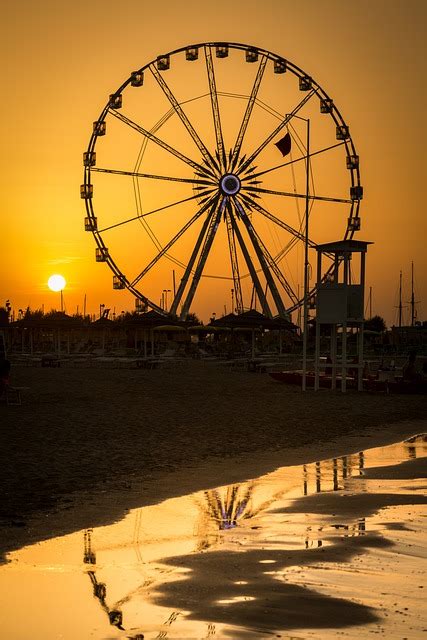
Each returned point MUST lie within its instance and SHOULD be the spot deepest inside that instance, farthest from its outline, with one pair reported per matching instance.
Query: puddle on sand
(318, 550)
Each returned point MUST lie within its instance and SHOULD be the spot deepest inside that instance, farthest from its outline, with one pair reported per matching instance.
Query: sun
(56, 282)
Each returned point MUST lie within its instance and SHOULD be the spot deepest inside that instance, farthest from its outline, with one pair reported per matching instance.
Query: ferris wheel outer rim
(293, 68)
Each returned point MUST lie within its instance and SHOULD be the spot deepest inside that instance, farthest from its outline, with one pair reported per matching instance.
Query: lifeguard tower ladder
(340, 304)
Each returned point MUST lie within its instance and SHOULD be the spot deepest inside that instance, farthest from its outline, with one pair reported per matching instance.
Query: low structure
(340, 304)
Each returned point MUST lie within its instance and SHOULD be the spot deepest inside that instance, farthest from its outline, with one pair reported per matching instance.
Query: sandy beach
(112, 439)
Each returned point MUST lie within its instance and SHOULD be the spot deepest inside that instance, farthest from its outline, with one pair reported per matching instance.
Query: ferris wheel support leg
(210, 235)
(185, 277)
(262, 260)
(234, 264)
(254, 276)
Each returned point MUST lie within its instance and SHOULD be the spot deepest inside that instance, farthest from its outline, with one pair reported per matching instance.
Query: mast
(400, 299)
(369, 304)
(412, 296)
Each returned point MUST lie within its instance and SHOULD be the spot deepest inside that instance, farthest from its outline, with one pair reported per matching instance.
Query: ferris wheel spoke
(234, 262)
(290, 194)
(161, 143)
(297, 234)
(277, 130)
(252, 176)
(153, 176)
(149, 213)
(194, 254)
(171, 242)
(274, 265)
(215, 107)
(252, 270)
(183, 117)
(248, 112)
(265, 259)
(210, 235)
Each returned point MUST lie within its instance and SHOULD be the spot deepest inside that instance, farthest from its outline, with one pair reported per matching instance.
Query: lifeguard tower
(340, 304)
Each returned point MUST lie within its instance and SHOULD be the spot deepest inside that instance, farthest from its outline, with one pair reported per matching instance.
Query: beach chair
(13, 395)
(168, 353)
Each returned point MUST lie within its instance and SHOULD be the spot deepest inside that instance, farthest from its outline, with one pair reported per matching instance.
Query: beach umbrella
(283, 326)
(226, 321)
(254, 318)
(148, 318)
(148, 321)
(104, 325)
(169, 327)
(53, 322)
(249, 320)
(172, 332)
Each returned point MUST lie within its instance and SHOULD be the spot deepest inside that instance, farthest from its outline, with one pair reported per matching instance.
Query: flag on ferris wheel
(284, 145)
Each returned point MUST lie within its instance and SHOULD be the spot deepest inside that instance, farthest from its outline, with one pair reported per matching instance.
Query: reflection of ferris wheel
(218, 189)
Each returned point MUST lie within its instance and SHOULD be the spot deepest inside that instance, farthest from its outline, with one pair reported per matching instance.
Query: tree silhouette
(376, 323)
(4, 317)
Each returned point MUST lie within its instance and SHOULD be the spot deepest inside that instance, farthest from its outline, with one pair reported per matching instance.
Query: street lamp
(306, 263)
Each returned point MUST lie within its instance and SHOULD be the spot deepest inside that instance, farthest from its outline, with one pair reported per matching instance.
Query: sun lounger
(13, 395)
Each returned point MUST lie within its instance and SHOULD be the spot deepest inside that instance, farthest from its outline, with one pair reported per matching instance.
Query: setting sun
(56, 282)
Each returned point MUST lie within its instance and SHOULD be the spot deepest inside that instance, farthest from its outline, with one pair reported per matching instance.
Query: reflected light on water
(337, 531)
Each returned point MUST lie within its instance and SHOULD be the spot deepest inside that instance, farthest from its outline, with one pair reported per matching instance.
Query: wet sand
(113, 439)
(330, 549)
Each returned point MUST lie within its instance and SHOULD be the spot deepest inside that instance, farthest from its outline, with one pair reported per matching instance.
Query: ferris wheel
(202, 172)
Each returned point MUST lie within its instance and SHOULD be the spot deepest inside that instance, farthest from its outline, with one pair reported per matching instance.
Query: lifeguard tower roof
(344, 246)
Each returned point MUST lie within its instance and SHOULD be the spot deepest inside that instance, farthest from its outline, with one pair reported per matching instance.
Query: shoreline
(88, 509)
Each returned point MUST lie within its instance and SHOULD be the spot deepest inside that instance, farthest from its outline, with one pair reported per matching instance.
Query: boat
(295, 377)
(396, 385)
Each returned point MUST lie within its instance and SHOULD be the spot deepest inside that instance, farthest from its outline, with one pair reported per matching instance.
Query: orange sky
(61, 61)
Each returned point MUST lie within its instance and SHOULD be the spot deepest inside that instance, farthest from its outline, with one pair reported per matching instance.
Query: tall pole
(174, 283)
(62, 302)
(400, 300)
(165, 292)
(412, 296)
(306, 265)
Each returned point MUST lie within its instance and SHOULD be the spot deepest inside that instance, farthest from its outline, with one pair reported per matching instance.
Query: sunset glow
(380, 97)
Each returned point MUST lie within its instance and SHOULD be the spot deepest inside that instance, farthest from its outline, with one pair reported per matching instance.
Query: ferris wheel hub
(230, 184)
